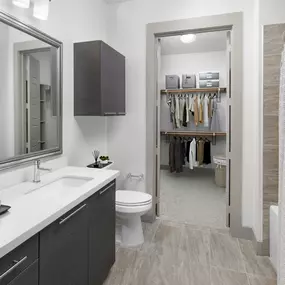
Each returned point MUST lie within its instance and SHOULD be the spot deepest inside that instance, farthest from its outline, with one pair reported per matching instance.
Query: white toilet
(130, 206)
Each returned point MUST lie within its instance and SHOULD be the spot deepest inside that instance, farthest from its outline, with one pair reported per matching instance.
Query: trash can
(220, 171)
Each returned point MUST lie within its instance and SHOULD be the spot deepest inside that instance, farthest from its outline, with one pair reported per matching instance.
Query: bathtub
(273, 239)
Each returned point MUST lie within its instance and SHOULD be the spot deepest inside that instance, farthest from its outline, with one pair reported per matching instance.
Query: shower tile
(227, 277)
(270, 128)
(256, 265)
(271, 65)
(271, 100)
(225, 252)
(273, 42)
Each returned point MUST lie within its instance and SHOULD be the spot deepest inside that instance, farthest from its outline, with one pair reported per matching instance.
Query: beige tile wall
(273, 46)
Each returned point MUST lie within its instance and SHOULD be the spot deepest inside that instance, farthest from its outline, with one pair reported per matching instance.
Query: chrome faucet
(37, 171)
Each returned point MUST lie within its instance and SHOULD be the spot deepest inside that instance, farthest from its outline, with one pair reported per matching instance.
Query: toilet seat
(132, 198)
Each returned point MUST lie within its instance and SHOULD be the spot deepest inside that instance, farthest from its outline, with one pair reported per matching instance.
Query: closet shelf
(194, 90)
(194, 133)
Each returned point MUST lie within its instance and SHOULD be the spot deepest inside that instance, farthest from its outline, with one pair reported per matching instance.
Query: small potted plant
(104, 159)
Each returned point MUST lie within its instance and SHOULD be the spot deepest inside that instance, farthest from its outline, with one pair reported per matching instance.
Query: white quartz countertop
(32, 211)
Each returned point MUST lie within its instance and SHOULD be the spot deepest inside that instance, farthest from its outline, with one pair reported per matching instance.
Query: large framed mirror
(30, 93)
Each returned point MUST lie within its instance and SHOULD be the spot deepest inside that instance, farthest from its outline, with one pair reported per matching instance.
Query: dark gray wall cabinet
(99, 80)
(76, 249)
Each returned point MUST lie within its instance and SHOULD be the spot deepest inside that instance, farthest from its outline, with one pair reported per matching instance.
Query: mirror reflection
(28, 94)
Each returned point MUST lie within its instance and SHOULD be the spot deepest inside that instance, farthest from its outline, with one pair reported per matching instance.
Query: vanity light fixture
(41, 9)
(22, 3)
(187, 39)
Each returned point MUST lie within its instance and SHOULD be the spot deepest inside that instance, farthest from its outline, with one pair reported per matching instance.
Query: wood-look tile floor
(182, 254)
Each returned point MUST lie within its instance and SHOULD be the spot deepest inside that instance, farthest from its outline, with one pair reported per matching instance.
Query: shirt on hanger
(207, 153)
(200, 155)
(177, 112)
(196, 111)
(187, 109)
(206, 111)
(200, 102)
(192, 154)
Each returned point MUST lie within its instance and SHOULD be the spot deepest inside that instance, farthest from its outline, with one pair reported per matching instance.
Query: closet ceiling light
(22, 3)
(187, 39)
(41, 9)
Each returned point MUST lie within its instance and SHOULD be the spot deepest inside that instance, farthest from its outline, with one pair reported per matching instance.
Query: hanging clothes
(210, 111)
(207, 153)
(177, 112)
(184, 121)
(200, 102)
(183, 152)
(172, 155)
(215, 123)
(187, 110)
(172, 112)
(178, 156)
(188, 150)
(206, 111)
(200, 155)
(192, 154)
(196, 111)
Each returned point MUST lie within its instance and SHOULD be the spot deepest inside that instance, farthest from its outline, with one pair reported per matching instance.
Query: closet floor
(182, 254)
(192, 197)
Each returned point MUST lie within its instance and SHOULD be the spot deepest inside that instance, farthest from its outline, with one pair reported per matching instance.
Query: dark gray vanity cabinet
(28, 277)
(99, 80)
(102, 234)
(16, 265)
(64, 249)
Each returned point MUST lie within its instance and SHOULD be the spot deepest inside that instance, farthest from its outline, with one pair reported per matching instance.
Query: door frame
(233, 22)
(21, 49)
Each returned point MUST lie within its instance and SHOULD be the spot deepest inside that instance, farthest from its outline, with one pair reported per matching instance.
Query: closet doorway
(156, 137)
(193, 80)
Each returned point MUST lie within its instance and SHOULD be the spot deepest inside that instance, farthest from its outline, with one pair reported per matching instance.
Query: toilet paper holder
(139, 177)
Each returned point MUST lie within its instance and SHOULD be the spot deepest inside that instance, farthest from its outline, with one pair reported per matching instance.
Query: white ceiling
(115, 1)
(206, 42)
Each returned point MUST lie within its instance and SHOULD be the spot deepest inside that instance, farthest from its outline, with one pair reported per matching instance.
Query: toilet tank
(274, 229)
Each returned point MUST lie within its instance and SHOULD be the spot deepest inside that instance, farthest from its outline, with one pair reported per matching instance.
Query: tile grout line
(242, 256)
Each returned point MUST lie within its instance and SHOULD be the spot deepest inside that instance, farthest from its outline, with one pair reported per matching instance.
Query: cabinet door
(27, 277)
(113, 86)
(64, 250)
(102, 234)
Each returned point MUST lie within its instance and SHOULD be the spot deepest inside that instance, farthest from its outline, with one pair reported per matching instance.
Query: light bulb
(186, 39)
(22, 3)
(41, 9)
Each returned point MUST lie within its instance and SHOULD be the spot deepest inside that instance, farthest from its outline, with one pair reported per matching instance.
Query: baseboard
(261, 247)
(242, 233)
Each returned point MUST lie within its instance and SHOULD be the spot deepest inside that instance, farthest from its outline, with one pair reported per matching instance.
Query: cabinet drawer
(28, 277)
(15, 262)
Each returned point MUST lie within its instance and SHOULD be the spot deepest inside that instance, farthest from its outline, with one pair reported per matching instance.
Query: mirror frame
(30, 30)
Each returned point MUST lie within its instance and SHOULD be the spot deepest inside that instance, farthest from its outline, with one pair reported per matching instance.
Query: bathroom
(122, 25)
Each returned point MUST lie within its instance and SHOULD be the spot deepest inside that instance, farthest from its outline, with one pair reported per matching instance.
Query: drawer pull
(103, 191)
(72, 214)
(17, 263)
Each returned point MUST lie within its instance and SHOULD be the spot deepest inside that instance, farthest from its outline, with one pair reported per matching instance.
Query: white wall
(193, 63)
(69, 22)
(127, 33)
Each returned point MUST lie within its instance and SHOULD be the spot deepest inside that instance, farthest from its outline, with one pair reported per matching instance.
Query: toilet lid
(132, 198)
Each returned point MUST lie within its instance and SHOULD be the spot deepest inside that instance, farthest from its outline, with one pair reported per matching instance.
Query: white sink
(63, 183)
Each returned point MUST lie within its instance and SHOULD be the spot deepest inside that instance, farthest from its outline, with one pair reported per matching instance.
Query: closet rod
(194, 90)
(193, 133)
